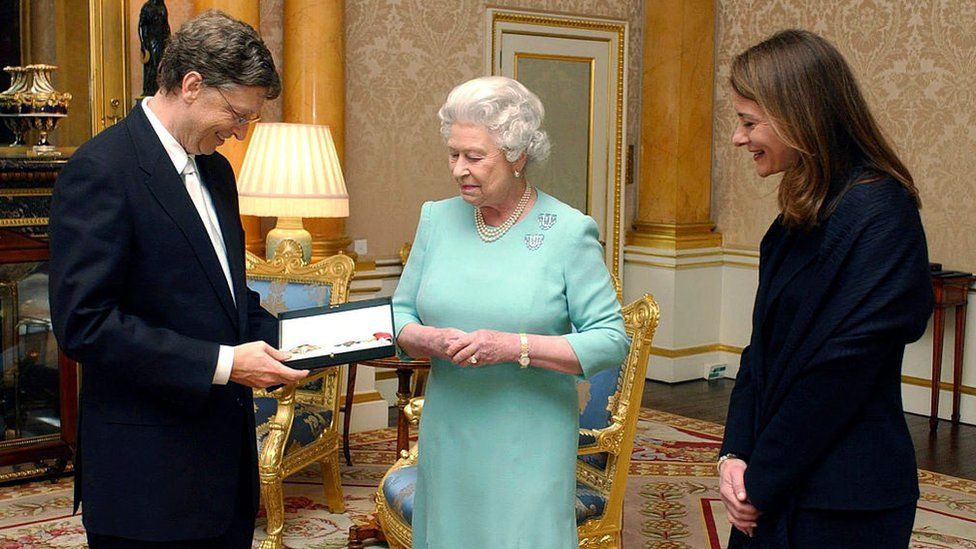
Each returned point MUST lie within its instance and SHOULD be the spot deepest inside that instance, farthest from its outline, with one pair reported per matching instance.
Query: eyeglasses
(239, 119)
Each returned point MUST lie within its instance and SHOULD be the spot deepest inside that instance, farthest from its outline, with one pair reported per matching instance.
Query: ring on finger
(473, 359)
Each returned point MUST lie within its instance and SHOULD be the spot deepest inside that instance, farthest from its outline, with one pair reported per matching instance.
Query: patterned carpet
(672, 497)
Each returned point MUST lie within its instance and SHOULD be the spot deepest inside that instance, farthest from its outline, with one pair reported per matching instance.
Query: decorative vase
(20, 82)
(12, 104)
(42, 96)
(46, 106)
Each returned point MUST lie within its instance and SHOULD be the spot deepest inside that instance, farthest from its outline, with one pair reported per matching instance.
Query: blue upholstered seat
(309, 422)
(596, 413)
(589, 503)
(400, 485)
(398, 489)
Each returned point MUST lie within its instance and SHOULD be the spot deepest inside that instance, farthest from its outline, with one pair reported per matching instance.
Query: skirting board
(687, 368)
(917, 400)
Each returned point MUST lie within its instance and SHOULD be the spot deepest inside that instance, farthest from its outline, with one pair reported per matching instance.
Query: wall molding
(943, 386)
(698, 350)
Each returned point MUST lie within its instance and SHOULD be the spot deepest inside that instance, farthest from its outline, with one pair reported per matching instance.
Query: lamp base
(329, 238)
(289, 228)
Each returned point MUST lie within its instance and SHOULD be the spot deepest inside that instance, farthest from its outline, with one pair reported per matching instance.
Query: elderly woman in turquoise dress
(507, 292)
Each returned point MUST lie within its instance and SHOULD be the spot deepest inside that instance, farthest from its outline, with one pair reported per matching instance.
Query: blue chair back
(278, 296)
(597, 392)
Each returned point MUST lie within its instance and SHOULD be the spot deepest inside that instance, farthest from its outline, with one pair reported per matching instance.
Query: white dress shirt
(186, 166)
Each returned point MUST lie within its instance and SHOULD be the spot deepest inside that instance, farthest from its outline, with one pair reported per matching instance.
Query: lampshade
(292, 170)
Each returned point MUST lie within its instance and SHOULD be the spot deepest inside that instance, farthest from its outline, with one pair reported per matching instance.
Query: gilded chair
(609, 403)
(298, 425)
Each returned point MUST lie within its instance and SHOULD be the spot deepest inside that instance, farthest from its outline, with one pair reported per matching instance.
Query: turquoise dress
(497, 461)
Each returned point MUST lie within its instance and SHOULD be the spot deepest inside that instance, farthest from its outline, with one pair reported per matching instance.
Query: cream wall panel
(640, 279)
(676, 370)
(739, 285)
(916, 62)
(688, 289)
(379, 282)
(699, 295)
(369, 416)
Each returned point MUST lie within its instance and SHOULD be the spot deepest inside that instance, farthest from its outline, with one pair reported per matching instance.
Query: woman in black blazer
(816, 450)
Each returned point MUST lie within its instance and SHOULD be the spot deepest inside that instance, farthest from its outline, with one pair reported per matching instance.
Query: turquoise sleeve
(600, 340)
(405, 296)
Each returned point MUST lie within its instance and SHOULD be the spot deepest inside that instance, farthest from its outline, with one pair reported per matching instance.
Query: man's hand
(486, 347)
(742, 514)
(257, 365)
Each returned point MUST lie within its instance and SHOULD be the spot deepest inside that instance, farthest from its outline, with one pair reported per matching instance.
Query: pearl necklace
(491, 234)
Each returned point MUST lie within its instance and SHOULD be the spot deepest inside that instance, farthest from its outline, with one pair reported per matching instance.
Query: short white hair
(507, 109)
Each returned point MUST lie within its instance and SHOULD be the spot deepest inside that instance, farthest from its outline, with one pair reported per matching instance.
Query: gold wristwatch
(524, 351)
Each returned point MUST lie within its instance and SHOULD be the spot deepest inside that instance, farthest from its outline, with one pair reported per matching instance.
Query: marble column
(315, 91)
(673, 250)
(676, 127)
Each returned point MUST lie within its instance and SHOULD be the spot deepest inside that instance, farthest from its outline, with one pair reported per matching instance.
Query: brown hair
(225, 51)
(813, 103)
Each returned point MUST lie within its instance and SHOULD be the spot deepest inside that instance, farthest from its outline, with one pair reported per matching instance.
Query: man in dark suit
(148, 294)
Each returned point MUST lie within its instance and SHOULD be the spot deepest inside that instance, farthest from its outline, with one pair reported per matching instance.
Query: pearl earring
(518, 174)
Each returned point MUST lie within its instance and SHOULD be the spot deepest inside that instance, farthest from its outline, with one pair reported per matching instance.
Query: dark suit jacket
(820, 422)
(138, 297)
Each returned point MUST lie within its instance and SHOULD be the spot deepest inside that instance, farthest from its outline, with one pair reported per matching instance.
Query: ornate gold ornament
(32, 102)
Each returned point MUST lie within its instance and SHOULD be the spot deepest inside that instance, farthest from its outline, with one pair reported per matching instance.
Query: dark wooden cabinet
(38, 383)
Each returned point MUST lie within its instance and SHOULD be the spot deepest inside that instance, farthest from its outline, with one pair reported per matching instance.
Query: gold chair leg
(332, 483)
(275, 506)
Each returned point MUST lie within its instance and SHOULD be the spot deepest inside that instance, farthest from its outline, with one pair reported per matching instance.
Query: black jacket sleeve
(740, 422)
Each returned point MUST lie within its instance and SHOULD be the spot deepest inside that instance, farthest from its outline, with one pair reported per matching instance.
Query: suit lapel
(223, 195)
(790, 255)
(801, 339)
(167, 187)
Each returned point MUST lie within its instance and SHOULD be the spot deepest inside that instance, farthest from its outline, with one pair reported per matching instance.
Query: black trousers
(885, 529)
(821, 528)
(239, 535)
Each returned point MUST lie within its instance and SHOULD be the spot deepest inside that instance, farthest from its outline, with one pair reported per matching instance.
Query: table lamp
(292, 171)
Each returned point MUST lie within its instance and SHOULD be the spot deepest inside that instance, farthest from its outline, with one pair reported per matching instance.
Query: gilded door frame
(109, 46)
(582, 28)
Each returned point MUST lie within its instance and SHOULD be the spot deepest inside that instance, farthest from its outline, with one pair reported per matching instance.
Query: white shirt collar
(172, 147)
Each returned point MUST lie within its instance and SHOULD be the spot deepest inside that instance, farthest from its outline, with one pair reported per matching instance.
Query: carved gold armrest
(413, 410)
(279, 427)
(607, 439)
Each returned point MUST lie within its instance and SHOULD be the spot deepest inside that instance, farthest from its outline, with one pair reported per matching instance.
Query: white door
(576, 67)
